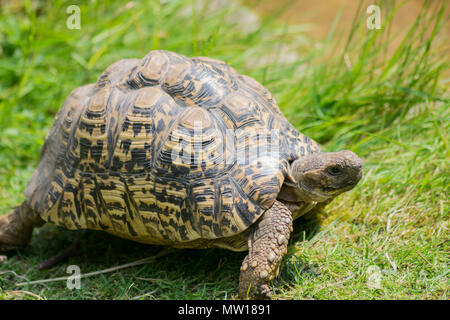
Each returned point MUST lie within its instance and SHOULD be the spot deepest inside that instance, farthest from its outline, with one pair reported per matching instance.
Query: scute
(165, 150)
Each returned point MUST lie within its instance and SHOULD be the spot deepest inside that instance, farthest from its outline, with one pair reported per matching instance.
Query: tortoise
(182, 152)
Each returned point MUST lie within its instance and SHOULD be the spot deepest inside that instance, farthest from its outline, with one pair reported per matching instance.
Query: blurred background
(382, 93)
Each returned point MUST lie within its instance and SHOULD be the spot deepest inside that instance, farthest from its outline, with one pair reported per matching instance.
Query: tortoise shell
(165, 149)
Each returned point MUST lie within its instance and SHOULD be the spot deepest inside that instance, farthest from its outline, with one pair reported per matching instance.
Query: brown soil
(320, 14)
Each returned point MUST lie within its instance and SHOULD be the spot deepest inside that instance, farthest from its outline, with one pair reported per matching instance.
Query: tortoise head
(322, 176)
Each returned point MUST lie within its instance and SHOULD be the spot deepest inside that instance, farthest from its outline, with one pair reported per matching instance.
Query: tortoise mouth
(335, 190)
(312, 194)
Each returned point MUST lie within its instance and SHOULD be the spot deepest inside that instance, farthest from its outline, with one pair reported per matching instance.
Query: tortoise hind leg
(267, 244)
(17, 226)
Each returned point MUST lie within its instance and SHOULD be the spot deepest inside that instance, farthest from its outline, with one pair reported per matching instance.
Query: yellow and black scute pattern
(165, 150)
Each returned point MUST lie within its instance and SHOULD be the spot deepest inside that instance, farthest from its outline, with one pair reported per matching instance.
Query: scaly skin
(267, 245)
(17, 226)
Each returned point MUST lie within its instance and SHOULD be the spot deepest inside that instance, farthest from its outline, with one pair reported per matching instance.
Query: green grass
(392, 109)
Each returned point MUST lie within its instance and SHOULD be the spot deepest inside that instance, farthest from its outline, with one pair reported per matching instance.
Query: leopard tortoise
(188, 153)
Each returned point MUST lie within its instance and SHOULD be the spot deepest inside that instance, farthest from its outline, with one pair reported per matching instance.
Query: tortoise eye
(334, 170)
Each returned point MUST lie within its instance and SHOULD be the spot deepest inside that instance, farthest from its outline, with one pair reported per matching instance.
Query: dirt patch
(319, 15)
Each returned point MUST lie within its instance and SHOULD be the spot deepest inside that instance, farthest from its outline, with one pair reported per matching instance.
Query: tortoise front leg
(267, 244)
(17, 226)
